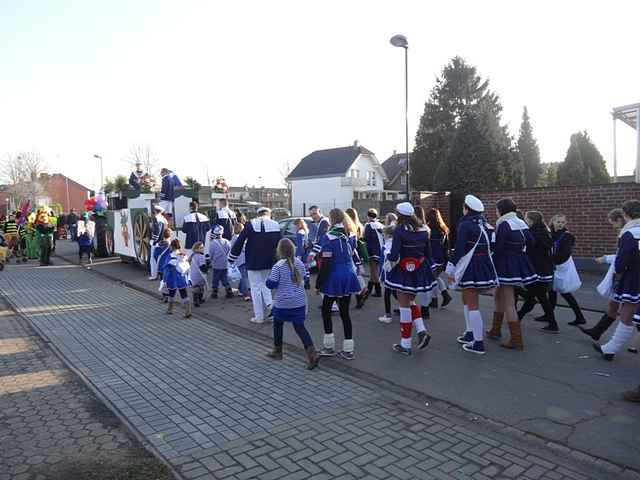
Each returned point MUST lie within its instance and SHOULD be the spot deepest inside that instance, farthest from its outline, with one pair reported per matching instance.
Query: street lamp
(401, 42)
(101, 178)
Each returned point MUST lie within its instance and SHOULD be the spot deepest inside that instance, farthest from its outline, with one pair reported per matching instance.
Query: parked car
(289, 230)
(280, 213)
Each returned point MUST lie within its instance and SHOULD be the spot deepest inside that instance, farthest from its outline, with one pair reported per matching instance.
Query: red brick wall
(586, 209)
(56, 188)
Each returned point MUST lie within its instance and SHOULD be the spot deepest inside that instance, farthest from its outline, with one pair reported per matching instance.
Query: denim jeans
(220, 276)
(244, 281)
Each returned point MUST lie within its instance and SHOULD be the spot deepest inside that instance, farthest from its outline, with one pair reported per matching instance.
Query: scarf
(629, 226)
(505, 217)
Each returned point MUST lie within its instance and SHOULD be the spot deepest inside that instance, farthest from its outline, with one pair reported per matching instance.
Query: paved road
(51, 425)
(209, 402)
(557, 389)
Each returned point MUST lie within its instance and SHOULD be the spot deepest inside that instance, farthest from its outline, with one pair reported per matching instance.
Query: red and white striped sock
(405, 327)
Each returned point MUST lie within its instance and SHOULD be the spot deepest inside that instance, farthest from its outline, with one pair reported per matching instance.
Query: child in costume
(287, 277)
(199, 266)
(408, 272)
(626, 290)
(374, 237)
(384, 253)
(243, 287)
(175, 277)
(338, 280)
(162, 254)
(86, 232)
(45, 232)
(219, 252)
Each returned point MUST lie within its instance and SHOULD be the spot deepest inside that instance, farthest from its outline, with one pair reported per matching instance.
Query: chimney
(355, 144)
(394, 152)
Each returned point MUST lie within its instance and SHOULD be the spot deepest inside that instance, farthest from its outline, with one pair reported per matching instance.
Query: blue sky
(239, 88)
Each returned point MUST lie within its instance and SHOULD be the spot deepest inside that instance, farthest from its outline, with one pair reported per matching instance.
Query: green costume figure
(45, 231)
(32, 242)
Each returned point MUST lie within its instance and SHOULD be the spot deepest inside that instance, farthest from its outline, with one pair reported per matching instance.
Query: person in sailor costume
(471, 270)
(261, 236)
(136, 177)
(169, 183)
(439, 238)
(158, 226)
(408, 272)
(225, 217)
(512, 236)
(338, 279)
(626, 290)
(199, 266)
(195, 226)
(617, 221)
(540, 255)
(374, 238)
(175, 277)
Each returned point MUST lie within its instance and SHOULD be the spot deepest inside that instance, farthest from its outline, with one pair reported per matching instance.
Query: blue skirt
(420, 280)
(342, 281)
(480, 274)
(515, 269)
(627, 290)
(293, 315)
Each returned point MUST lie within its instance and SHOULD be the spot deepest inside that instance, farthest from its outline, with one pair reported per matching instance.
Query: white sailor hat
(218, 229)
(262, 210)
(474, 203)
(405, 208)
(158, 208)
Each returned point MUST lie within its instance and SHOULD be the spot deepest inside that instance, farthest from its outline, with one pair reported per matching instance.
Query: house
(271, 197)
(60, 189)
(395, 187)
(335, 178)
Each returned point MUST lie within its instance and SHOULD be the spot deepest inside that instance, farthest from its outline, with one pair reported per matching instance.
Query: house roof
(394, 165)
(328, 163)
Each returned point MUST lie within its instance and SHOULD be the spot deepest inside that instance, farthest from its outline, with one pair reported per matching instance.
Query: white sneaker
(255, 320)
(385, 319)
(334, 307)
(153, 278)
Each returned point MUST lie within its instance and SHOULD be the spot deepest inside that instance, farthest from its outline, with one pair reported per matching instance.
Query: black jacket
(563, 243)
(540, 252)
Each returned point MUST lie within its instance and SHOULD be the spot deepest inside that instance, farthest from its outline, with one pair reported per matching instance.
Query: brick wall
(56, 188)
(586, 209)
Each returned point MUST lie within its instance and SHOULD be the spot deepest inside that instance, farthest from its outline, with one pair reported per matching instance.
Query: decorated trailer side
(126, 230)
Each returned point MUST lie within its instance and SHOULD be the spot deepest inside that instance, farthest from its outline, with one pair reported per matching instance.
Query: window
(373, 179)
(403, 179)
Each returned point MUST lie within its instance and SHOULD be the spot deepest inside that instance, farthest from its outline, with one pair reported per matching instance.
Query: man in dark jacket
(72, 224)
(261, 236)
(135, 177)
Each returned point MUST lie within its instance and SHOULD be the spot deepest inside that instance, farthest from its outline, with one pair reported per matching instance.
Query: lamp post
(101, 178)
(401, 41)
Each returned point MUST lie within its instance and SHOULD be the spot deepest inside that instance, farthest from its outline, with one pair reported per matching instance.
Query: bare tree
(24, 173)
(284, 171)
(143, 154)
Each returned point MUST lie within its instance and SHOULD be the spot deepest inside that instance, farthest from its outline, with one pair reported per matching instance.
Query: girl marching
(408, 272)
(338, 280)
(287, 277)
(514, 269)
(439, 252)
(540, 255)
(626, 291)
(175, 278)
(471, 270)
(374, 238)
(363, 255)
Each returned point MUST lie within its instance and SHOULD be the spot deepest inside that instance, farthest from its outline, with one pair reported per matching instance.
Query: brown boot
(187, 310)
(276, 353)
(170, 308)
(515, 342)
(312, 357)
(632, 395)
(495, 332)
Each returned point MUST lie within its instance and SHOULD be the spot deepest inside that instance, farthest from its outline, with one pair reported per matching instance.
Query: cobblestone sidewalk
(213, 406)
(51, 425)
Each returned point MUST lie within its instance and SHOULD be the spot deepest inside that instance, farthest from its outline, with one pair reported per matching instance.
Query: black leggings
(536, 292)
(343, 306)
(570, 299)
(387, 299)
(278, 328)
(183, 293)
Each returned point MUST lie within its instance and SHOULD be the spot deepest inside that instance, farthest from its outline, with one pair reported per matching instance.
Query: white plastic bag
(566, 278)
(234, 276)
(605, 287)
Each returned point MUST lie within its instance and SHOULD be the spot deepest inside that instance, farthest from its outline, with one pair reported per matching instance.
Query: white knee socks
(620, 338)
(329, 341)
(467, 323)
(405, 327)
(477, 327)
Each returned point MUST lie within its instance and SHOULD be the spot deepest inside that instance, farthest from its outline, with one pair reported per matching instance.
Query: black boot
(552, 327)
(378, 289)
(599, 328)
(370, 287)
(434, 303)
(196, 299)
(446, 298)
(229, 293)
(359, 301)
